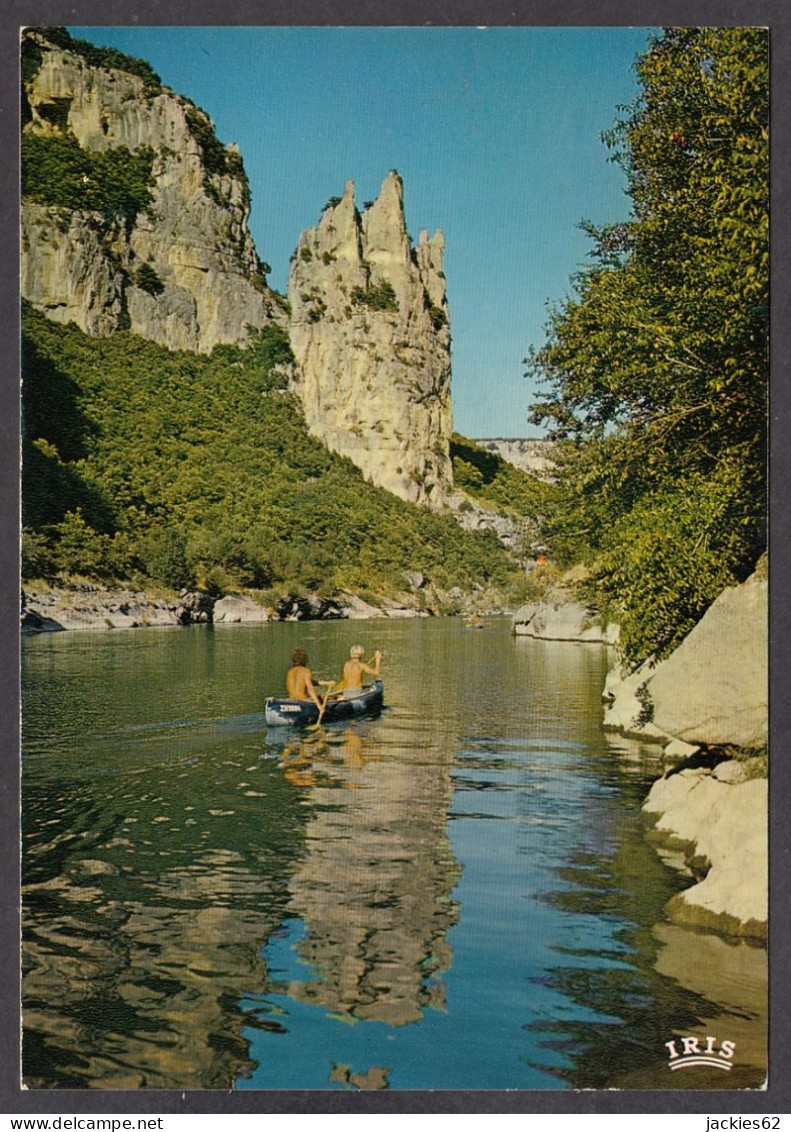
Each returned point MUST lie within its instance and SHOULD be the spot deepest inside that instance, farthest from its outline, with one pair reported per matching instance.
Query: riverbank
(707, 705)
(47, 608)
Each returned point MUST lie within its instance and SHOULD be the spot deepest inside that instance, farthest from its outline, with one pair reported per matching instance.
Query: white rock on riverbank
(721, 822)
(234, 609)
(93, 608)
(714, 688)
(561, 621)
(88, 608)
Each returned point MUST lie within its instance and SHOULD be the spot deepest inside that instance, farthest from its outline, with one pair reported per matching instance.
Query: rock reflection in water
(660, 981)
(142, 933)
(373, 886)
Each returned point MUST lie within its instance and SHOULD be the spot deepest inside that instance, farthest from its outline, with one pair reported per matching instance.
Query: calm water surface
(458, 894)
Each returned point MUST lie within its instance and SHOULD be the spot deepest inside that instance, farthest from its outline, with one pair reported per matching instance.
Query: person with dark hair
(299, 679)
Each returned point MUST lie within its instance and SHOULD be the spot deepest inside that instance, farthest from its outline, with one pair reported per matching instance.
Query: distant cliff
(134, 214)
(370, 331)
(533, 456)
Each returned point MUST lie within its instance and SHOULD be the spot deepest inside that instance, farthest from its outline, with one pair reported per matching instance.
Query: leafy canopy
(56, 170)
(177, 467)
(655, 371)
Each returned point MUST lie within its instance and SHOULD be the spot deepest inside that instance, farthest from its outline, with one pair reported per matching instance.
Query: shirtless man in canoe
(299, 679)
(354, 670)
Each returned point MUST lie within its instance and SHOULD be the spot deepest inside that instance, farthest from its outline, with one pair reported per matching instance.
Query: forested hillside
(655, 372)
(182, 468)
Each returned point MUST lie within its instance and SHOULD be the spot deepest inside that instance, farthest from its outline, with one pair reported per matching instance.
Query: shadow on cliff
(56, 434)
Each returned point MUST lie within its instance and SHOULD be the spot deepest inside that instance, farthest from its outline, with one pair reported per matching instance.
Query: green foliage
(108, 58)
(436, 314)
(146, 278)
(378, 296)
(31, 55)
(656, 369)
(57, 171)
(642, 580)
(201, 468)
(217, 160)
(163, 554)
(487, 477)
(79, 548)
(37, 557)
(215, 155)
(268, 348)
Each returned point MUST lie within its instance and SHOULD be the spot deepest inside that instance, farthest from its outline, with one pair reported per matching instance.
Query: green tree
(655, 371)
(188, 468)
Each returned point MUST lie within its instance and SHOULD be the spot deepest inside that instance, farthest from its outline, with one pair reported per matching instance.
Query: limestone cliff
(182, 270)
(369, 329)
(534, 456)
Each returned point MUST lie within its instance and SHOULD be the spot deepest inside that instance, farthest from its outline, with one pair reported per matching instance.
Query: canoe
(301, 713)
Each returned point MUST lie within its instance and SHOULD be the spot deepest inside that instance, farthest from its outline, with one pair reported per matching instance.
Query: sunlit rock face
(370, 331)
(714, 687)
(373, 886)
(723, 823)
(204, 283)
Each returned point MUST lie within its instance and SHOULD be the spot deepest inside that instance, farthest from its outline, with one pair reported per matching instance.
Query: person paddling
(354, 669)
(299, 679)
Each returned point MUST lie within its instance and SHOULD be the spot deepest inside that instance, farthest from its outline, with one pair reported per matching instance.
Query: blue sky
(496, 133)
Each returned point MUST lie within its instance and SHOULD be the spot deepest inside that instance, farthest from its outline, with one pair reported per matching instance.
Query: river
(459, 894)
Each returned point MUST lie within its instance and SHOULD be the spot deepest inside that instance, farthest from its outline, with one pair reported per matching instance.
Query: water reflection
(211, 905)
(373, 884)
(659, 981)
(145, 903)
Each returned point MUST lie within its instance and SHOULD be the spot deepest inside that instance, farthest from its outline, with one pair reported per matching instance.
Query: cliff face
(531, 456)
(369, 329)
(182, 271)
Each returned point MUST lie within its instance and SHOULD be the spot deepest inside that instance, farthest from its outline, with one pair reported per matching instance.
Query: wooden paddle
(315, 726)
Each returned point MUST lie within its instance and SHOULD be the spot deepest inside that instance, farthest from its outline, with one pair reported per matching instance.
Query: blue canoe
(304, 712)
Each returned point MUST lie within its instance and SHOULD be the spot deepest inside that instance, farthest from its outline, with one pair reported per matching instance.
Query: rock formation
(561, 621)
(720, 818)
(533, 456)
(714, 688)
(370, 332)
(183, 271)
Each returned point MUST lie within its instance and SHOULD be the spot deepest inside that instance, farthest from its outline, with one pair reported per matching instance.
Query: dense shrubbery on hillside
(57, 171)
(485, 476)
(180, 468)
(656, 370)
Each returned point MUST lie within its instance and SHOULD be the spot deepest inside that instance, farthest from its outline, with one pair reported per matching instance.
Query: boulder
(714, 688)
(629, 709)
(561, 621)
(355, 609)
(195, 608)
(233, 609)
(676, 750)
(310, 608)
(723, 826)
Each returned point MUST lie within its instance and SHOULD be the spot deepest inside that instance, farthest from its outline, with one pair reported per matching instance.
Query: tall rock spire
(370, 332)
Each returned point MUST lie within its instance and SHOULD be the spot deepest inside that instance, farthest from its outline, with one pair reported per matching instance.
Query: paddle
(315, 726)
